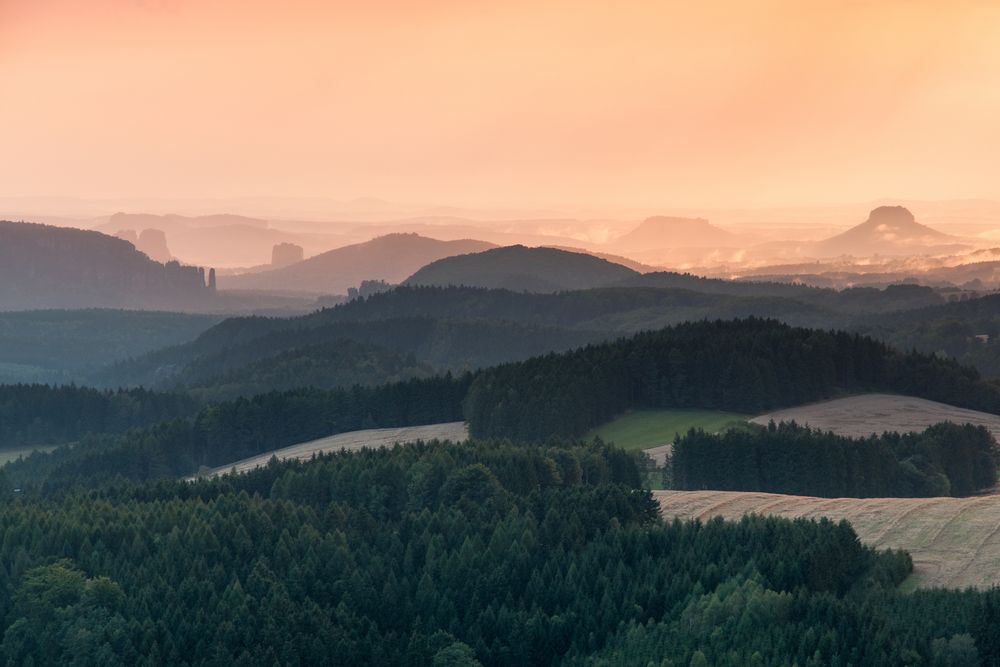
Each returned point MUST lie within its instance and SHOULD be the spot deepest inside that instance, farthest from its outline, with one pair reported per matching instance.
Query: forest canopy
(745, 366)
(944, 460)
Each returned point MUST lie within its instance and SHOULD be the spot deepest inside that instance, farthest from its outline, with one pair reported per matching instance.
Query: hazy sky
(501, 103)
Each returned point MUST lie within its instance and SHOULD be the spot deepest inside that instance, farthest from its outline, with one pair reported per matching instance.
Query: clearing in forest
(860, 416)
(655, 429)
(352, 441)
(954, 542)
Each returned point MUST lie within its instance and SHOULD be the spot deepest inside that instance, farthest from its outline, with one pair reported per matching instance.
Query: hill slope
(391, 258)
(954, 542)
(737, 366)
(56, 267)
(519, 268)
(672, 232)
(889, 230)
(218, 240)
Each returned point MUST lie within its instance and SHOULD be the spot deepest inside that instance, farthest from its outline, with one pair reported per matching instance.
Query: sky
(516, 103)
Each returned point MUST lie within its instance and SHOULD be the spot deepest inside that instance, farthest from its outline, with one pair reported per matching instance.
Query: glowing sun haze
(513, 103)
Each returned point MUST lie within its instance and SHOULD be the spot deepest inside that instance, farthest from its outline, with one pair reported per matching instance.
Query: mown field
(954, 542)
(352, 441)
(859, 416)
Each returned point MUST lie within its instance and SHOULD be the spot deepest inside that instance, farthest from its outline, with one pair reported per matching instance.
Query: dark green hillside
(967, 330)
(340, 363)
(741, 366)
(458, 328)
(59, 346)
(232, 430)
(450, 328)
(441, 344)
(852, 300)
(484, 553)
(521, 269)
(944, 460)
(33, 415)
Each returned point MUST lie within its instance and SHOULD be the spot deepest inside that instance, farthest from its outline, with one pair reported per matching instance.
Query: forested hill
(452, 555)
(55, 267)
(461, 328)
(741, 366)
(32, 415)
(520, 268)
(391, 257)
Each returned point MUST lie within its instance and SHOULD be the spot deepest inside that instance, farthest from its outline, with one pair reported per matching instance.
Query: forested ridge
(63, 346)
(39, 414)
(442, 344)
(741, 366)
(944, 460)
(228, 431)
(487, 553)
(464, 328)
(328, 365)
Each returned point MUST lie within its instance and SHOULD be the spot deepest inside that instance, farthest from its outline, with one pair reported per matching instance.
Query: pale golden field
(875, 413)
(352, 441)
(954, 542)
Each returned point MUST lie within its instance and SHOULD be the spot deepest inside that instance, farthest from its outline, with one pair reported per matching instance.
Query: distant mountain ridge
(391, 258)
(889, 230)
(521, 269)
(59, 267)
(672, 232)
(218, 240)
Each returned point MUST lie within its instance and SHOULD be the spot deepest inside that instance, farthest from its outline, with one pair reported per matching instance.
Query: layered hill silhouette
(390, 258)
(523, 269)
(57, 267)
(217, 240)
(889, 230)
(672, 232)
(676, 241)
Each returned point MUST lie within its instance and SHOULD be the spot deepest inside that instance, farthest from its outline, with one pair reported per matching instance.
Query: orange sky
(501, 103)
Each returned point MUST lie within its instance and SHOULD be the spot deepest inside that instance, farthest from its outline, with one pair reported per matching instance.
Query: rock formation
(153, 242)
(286, 254)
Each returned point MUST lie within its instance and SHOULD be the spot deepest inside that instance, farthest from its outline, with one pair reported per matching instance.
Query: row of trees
(40, 414)
(229, 431)
(741, 365)
(484, 553)
(946, 459)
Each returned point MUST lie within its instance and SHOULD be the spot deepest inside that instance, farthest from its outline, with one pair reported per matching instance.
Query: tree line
(34, 414)
(226, 432)
(944, 460)
(747, 366)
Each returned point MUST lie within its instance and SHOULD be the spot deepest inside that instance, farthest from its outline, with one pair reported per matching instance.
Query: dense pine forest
(740, 366)
(945, 460)
(225, 432)
(33, 415)
(486, 553)
(462, 328)
(520, 549)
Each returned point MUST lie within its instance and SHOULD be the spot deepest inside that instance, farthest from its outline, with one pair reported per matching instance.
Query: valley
(499, 334)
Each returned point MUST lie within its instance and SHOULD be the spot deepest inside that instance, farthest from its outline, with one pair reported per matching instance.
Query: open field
(954, 542)
(876, 413)
(352, 441)
(654, 430)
